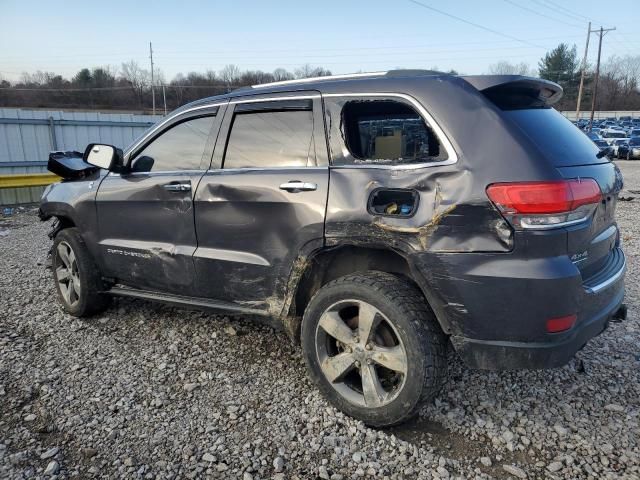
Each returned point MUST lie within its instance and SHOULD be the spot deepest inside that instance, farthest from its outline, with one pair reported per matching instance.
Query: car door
(262, 204)
(145, 216)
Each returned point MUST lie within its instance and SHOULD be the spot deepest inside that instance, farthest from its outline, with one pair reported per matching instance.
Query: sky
(343, 36)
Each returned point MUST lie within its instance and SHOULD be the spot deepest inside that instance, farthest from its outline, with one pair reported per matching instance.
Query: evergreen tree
(561, 65)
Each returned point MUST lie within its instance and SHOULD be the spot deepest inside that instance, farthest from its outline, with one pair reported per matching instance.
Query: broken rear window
(387, 132)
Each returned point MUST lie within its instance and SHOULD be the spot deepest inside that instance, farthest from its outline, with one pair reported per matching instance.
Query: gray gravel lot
(149, 391)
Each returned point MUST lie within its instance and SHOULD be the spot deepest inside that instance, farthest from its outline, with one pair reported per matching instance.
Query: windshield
(634, 141)
(601, 143)
(614, 134)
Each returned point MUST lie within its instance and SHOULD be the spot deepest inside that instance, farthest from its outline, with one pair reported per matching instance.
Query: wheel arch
(327, 264)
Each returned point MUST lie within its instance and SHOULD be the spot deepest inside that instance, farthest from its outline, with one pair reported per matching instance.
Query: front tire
(373, 347)
(77, 278)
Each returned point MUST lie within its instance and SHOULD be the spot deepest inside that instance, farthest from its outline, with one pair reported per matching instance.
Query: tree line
(129, 87)
(618, 85)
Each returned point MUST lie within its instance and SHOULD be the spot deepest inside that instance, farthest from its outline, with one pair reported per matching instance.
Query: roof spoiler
(511, 92)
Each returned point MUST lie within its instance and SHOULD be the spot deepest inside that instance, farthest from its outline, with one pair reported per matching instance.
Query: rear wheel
(373, 347)
(76, 276)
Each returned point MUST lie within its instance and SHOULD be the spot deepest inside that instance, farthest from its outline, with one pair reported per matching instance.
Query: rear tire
(77, 278)
(386, 354)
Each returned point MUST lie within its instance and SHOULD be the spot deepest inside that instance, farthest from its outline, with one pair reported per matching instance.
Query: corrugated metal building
(27, 137)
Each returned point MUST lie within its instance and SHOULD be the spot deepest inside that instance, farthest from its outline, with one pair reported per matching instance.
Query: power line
(535, 12)
(474, 24)
(563, 11)
(235, 53)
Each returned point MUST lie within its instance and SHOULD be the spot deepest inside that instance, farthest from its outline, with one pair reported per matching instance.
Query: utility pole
(600, 32)
(584, 67)
(153, 91)
(164, 97)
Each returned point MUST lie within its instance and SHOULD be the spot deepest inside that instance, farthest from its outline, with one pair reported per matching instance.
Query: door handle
(295, 186)
(177, 187)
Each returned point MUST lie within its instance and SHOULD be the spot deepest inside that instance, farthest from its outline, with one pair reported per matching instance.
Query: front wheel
(373, 347)
(76, 276)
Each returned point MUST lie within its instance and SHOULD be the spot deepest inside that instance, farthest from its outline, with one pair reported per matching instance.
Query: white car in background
(615, 145)
(611, 134)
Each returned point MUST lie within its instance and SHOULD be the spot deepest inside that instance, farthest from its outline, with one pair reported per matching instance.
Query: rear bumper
(505, 330)
(488, 355)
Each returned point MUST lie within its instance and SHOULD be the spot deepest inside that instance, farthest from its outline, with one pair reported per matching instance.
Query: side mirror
(102, 156)
(142, 164)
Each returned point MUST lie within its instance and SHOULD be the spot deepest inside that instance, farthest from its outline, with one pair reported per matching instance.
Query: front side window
(388, 132)
(179, 148)
(267, 139)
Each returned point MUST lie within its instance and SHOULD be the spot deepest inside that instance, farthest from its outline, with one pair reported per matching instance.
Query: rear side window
(556, 137)
(270, 139)
(388, 132)
(179, 148)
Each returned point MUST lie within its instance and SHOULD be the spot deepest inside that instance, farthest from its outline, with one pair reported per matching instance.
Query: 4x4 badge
(579, 257)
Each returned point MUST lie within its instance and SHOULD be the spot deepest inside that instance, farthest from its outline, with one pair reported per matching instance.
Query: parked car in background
(593, 135)
(616, 145)
(609, 135)
(633, 149)
(602, 145)
(635, 132)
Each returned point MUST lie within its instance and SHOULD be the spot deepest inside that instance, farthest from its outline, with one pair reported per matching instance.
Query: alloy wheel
(360, 353)
(67, 274)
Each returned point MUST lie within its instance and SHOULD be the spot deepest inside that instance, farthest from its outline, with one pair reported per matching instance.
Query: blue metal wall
(27, 137)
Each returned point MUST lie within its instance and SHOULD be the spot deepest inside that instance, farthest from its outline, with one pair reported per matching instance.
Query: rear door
(262, 203)
(145, 216)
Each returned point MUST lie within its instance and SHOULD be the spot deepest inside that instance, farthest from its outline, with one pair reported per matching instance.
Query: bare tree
(620, 79)
(138, 78)
(506, 68)
(280, 74)
(307, 71)
(229, 75)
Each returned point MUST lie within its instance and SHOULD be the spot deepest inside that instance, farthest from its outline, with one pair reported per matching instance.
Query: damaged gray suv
(378, 217)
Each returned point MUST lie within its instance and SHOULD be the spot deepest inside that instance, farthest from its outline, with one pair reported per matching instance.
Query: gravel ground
(150, 391)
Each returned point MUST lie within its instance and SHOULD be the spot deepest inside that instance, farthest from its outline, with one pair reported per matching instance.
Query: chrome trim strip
(274, 99)
(557, 225)
(315, 79)
(612, 279)
(453, 156)
(154, 173)
(235, 256)
(605, 234)
(302, 168)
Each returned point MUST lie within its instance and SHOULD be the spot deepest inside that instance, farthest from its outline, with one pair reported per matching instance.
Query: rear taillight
(561, 324)
(543, 205)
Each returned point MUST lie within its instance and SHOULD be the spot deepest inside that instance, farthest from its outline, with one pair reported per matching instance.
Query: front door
(146, 222)
(262, 204)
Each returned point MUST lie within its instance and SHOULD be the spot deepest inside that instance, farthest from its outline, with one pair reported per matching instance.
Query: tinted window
(634, 141)
(179, 148)
(271, 139)
(555, 136)
(384, 131)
